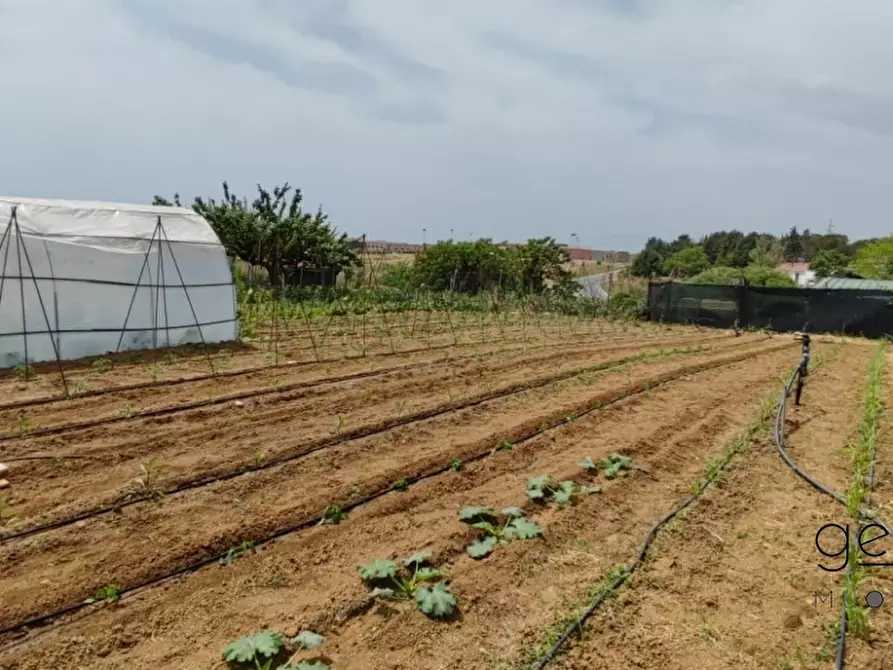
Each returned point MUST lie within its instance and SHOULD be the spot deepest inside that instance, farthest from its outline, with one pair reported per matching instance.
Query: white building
(88, 278)
(799, 272)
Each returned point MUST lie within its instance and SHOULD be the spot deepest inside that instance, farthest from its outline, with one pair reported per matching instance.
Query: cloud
(613, 119)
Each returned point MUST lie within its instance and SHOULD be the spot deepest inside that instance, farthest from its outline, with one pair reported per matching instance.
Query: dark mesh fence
(854, 312)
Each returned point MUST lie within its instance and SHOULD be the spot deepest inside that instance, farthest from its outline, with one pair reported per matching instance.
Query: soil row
(262, 431)
(738, 584)
(308, 580)
(151, 367)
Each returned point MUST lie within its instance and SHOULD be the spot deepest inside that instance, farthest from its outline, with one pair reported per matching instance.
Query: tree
(829, 264)
(874, 260)
(767, 252)
(792, 245)
(274, 232)
(649, 263)
(686, 263)
(753, 276)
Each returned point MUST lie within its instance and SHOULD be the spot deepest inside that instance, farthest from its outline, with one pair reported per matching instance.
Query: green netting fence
(847, 311)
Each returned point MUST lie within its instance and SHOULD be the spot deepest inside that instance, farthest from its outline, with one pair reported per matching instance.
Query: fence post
(669, 287)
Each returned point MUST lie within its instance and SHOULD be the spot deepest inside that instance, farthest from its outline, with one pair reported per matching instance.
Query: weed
(512, 526)
(258, 456)
(77, 386)
(332, 515)
(241, 549)
(7, 514)
(389, 582)
(401, 485)
(456, 464)
(23, 371)
(127, 412)
(102, 365)
(23, 421)
(340, 423)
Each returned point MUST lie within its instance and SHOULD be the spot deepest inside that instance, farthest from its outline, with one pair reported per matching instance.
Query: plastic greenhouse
(88, 278)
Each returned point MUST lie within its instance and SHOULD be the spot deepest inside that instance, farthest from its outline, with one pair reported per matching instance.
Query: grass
(862, 454)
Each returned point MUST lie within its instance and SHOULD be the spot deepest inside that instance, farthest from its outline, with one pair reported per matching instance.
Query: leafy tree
(829, 264)
(539, 261)
(874, 260)
(767, 252)
(650, 262)
(753, 276)
(686, 262)
(792, 245)
(274, 232)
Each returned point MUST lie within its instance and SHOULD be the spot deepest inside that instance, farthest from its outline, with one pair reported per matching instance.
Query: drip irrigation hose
(577, 625)
(840, 657)
(48, 618)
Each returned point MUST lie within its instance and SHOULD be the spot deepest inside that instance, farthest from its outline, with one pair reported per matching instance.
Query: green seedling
(401, 485)
(512, 526)
(128, 410)
(259, 651)
(340, 423)
(24, 421)
(504, 445)
(148, 483)
(614, 464)
(241, 549)
(456, 464)
(544, 488)
(389, 582)
(108, 593)
(332, 515)
(258, 456)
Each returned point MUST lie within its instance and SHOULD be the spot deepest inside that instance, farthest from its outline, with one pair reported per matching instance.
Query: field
(173, 503)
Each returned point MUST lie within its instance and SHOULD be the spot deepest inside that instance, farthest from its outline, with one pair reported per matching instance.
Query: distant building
(798, 271)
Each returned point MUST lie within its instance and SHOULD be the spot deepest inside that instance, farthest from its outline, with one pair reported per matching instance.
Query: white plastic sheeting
(83, 261)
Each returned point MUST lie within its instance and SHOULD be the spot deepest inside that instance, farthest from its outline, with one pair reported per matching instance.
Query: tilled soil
(308, 579)
(331, 343)
(736, 581)
(106, 458)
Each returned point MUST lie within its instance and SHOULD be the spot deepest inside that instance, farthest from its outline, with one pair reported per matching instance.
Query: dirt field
(199, 499)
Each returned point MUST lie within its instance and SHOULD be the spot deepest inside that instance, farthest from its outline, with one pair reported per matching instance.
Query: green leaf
(437, 601)
(540, 482)
(308, 639)
(473, 514)
(523, 529)
(378, 569)
(485, 526)
(564, 494)
(536, 494)
(418, 558)
(385, 594)
(481, 548)
(513, 512)
(308, 665)
(588, 464)
(263, 644)
(427, 574)
(589, 490)
(612, 470)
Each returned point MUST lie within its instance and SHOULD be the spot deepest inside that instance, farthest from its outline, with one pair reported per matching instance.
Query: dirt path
(309, 579)
(735, 585)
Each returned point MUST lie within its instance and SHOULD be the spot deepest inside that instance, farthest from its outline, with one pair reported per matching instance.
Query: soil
(308, 579)
(737, 582)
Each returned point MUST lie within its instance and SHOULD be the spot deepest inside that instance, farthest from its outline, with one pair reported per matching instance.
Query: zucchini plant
(260, 650)
(417, 580)
(611, 465)
(512, 526)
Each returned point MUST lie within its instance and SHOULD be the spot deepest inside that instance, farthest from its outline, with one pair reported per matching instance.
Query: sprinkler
(803, 368)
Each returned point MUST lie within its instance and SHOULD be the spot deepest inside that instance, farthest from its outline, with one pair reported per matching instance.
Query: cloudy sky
(612, 119)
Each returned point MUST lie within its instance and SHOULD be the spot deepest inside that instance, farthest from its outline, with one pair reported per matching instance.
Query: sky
(614, 120)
